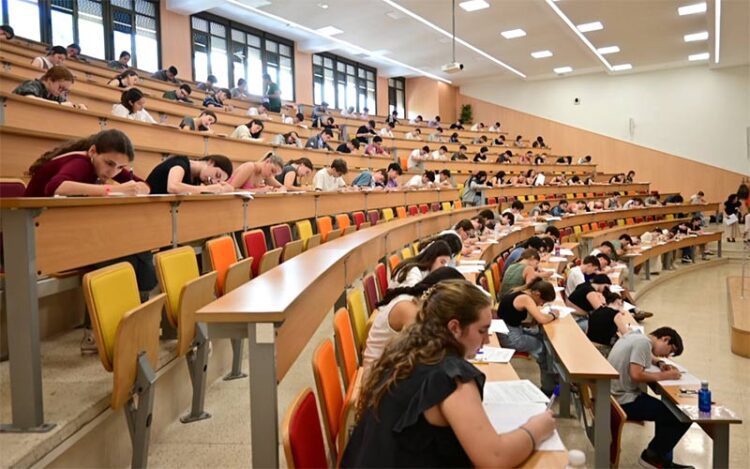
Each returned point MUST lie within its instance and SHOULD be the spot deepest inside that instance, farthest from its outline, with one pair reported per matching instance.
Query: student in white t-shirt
(415, 134)
(417, 158)
(577, 275)
(387, 131)
(330, 179)
(441, 154)
(133, 106)
(418, 182)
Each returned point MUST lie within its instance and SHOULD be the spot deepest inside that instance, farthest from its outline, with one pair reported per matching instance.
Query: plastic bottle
(576, 458)
(557, 249)
(704, 398)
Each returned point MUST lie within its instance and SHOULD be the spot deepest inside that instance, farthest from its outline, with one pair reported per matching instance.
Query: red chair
(374, 217)
(413, 210)
(371, 292)
(280, 235)
(492, 200)
(12, 187)
(255, 247)
(423, 208)
(301, 433)
(382, 277)
(435, 206)
(359, 218)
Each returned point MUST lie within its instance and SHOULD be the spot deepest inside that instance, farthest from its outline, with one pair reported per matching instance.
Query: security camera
(453, 67)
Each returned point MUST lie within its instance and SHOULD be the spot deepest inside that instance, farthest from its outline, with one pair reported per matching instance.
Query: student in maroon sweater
(85, 167)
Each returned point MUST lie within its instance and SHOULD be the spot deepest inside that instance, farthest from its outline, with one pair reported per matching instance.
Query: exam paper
(510, 392)
(509, 416)
(557, 259)
(627, 306)
(685, 380)
(494, 355)
(562, 311)
(469, 269)
(566, 252)
(616, 288)
(498, 326)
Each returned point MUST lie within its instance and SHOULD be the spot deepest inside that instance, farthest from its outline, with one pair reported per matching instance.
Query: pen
(555, 393)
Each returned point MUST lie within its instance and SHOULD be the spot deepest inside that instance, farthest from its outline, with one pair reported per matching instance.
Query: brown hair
(427, 341)
(106, 141)
(58, 73)
(304, 161)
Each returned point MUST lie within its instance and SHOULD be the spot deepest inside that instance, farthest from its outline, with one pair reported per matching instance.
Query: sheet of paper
(636, 328)
(559, 289)
(518, 391)
(469, 269)
(566, 252)
(557, 259)
(556, 276)
(488, 241)
(685, 380)
(494, 355)
(509, 416)
(616, 288)
(553, 218)
(548, 269)
(498, 326)
(471, 262)
(627, 306)
(654, 368)
(562, 311)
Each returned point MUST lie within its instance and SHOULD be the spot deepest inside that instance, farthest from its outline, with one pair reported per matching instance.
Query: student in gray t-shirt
(631, 356)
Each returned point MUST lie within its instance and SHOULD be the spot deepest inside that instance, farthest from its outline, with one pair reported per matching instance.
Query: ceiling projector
(453, 67)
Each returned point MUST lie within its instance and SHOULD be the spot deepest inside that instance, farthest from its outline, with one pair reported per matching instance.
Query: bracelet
(533, 440)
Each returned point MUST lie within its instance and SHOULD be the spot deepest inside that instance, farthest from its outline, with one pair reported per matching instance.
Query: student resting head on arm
(202, 123)
(259, 176)
(293, 171)
(253, 130)
(290, 139)
(606, 322)
(180, 174)
(85, 167)
(126, 79)
(54, 85)
(421, 402)
(413, 270)
(133, 106)
(182, 94)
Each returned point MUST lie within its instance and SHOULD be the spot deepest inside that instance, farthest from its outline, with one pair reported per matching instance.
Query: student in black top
(454, 138)
(180, 174)
(294, 170)
(7, 32)
(126, 79)
(504, 157)
(366, 131)
(458, 125)
(589, 296)
(514, 308)
(392, 119)
(460, 155)
(732, 216)
(348, 147)
(482, 155)
(606, 321)
(421, 402)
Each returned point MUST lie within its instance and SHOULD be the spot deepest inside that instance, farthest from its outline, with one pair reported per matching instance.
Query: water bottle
(576, 458)
(704, 399)
(557, 249)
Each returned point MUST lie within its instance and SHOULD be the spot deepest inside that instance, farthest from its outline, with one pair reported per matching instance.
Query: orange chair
(343, 222)
(457, 205)
(401, 212)
(325, 226)
(393, 261)
(495, 274)
(301, 433)
(345, 345)
(330, 397)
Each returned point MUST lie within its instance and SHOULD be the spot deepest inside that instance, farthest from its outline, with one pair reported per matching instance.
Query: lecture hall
(374, 233)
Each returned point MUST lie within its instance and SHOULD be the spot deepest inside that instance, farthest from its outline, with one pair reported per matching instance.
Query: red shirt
(76, 167)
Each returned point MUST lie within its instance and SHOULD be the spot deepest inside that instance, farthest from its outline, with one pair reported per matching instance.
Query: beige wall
(447, 99)
(665, 172)
(175, 42)
(382, 96)
(303, 89)
(422, 97)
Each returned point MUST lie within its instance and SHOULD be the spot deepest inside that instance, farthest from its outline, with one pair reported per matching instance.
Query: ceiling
(649, 33)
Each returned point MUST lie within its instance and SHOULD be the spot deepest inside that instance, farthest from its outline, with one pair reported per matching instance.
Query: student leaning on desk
(421, 404)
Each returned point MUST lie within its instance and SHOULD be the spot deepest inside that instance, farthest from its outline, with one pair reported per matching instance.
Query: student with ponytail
(259, 176)
(85, 167)
(514, 308)
(421, 403)
(410, 272)
(293, 171)
(133, 106)
(127, 79)
(179, 174)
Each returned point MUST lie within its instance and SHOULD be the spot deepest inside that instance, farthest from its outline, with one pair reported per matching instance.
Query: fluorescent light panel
(701, 56)
(346, 44)
(588, 27)
(621, 67)
(329, 31)
(717, 30)
(449, 35)
(474, 5)
(561, 70)
(608, 50)
(541, 54)
(692, 9)
(702, 36)
(513, 33)
(566, 20)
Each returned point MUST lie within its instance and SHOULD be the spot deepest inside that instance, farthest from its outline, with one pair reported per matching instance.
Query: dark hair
(300, 116)
(549, 245)
(210, 79)
(8, 30)
(552, 230)
(186, 88)
(545, 289)
(511, 218)
(256, 122)
(327, 131)
(446, 172)
(439, 129)
(426, 148)
(517, 204)
(57, 50)
(479, 176)
(627, 237)
(530, 253)
(371, 123)
(396, 167)
(443, 273)
(465, 225)
(221, 162)
(610, 297)
(423, 261)
(74, 46)
(58, 73)
(430, 175)
(241, 82)
(266, 76)
(453, 240)
(304, 161)
(534, 242)
(601, 279)
(591, 260)
(106, 141)
(173, 70)
(124, 54)
(377, 139)
(487, 214)
(211, 113)
(127, 73)
(339, 165)
(127, 98)
(608, 244)
(674, 338)
(563, 201)
(462, 147)
(604, 257)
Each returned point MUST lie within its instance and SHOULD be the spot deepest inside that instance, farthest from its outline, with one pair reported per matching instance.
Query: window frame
(360, 83)
(264, 36)
(392, 93)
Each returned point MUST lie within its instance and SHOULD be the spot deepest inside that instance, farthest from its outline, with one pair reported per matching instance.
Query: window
(343, 83)
(231, 51)
(397, 96)
(103, 28)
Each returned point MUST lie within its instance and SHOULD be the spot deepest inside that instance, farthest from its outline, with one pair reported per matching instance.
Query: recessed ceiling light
(608, 50)
(588, 27)
(323, 5)
(561, 70)
(702, 36)
(541, 54)
(692, 9)
(701, 56)
(621, 67)
(329, 31)
(474, 5)
(513, 33)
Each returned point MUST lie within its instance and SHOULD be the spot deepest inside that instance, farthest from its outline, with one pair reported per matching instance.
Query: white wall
(693, 112)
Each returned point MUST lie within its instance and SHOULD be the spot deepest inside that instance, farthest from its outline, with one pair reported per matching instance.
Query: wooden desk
(515, 191)
(610, 215)
(595, 238)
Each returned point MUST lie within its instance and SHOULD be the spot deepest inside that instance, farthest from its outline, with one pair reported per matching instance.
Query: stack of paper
(498, 326)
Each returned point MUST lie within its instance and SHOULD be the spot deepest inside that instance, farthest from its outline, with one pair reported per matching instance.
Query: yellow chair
(305, 233)
(387, 214)
(620, 222)
(127, 338)
(355, 303)
(446, 206)
(187, 291)
(490, 284)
